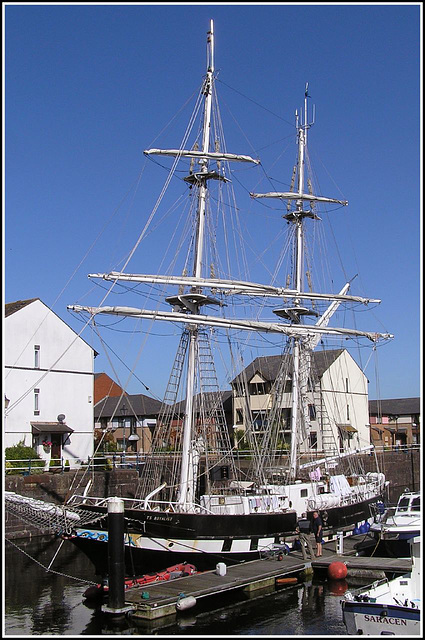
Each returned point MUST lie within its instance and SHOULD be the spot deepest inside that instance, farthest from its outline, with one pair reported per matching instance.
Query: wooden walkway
(156, 600)
(160, 599)
(349, 558)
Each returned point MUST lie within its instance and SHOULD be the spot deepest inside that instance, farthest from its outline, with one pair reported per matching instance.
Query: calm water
(39, 602)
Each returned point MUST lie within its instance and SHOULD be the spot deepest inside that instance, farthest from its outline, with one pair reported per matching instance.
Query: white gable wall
(347, 405)
(66, 389)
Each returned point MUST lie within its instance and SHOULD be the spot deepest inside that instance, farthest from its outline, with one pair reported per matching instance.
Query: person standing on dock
(318, 531)
(304, 534)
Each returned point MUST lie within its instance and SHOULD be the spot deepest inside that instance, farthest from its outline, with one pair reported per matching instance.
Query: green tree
(106, 440)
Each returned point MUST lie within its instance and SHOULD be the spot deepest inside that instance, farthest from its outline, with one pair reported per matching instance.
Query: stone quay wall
(401, 468)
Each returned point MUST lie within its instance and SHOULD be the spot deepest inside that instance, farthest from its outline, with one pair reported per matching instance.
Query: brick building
(395, 422)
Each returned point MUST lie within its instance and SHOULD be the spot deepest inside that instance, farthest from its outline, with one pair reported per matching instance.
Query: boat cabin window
(303, 493)
(416, 504)
(403, 505)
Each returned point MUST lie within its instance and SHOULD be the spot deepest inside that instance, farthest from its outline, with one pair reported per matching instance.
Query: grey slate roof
(268, 366)
(138, 404)
(395, 407)
(13, 307)
(226, 399)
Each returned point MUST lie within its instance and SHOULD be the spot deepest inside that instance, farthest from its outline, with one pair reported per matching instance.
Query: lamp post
(123, 409)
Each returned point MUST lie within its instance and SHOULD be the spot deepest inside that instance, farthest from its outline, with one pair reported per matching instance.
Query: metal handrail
(124, 459)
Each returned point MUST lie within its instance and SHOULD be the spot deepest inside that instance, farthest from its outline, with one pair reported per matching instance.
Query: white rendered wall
(337, 398)
(65, 379)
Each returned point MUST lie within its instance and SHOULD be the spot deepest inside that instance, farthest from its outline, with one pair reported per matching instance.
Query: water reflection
(38, 602)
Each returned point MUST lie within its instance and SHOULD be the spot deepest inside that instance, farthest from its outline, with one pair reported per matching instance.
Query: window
(416, 504)
(312, 411)
(348, 412)
(36, 402)
(288, 386)
(260, 423)
(313, 440)
(346, 385)
(36, 356)
(259, 388)
(403, 505)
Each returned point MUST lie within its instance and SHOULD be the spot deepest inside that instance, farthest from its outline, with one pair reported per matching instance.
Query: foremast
(186, 487)
(189, 305)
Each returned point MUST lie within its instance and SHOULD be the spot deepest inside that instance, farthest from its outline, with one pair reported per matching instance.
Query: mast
(301, 345)
(298, 284)
(186, 491)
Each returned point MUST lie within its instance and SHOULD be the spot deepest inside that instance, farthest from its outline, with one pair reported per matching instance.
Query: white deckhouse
(48, 384)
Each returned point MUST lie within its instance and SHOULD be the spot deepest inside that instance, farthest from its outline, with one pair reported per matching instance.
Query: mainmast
(301, 348)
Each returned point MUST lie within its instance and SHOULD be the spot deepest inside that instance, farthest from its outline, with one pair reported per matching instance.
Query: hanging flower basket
(47, 445)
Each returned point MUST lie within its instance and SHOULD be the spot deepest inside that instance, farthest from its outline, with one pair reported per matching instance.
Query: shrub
(17, 455)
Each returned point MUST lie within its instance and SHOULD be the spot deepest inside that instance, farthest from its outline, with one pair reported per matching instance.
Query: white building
(48, 384)
(338, 403)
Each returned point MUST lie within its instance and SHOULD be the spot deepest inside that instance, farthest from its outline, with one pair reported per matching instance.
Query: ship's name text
(386, 620)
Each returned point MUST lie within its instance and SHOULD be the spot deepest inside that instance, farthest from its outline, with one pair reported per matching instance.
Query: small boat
(388, 607)
(397, 526)
(180, 570)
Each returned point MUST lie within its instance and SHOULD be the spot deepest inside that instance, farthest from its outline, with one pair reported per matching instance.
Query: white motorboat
(397, 526)
(389, 607)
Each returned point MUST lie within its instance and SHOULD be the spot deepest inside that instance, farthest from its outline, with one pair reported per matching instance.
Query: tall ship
(217, 490)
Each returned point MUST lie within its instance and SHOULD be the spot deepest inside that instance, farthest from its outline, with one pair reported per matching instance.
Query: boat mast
(301, 349)
(298, 285)
(186, 490)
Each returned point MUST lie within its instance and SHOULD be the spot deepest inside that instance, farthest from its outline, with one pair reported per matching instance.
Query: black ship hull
(154, 540)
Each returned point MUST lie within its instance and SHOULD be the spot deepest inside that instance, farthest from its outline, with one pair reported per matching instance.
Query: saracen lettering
(386, 620)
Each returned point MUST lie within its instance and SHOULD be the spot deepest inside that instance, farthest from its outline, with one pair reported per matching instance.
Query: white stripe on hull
(181, 545)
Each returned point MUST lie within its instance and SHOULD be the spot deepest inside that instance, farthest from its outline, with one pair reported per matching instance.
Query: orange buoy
(286, 580)
(337, 571)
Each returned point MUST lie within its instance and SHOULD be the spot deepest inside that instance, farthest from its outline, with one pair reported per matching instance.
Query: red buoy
(337, 571)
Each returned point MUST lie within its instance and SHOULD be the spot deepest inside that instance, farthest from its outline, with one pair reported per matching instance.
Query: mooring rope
(59, 573)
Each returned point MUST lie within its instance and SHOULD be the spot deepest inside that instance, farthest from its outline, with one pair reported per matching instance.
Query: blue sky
(88, 87)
